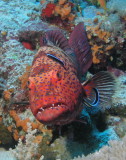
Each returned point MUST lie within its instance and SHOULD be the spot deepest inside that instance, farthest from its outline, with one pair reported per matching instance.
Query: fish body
(55, 89)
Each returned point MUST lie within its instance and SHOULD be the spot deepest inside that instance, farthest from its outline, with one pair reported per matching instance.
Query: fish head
(54, 89)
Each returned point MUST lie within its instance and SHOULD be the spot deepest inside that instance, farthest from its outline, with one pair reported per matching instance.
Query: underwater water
(62, 79)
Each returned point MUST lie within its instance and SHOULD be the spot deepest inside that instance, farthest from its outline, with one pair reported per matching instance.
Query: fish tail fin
(99, 90)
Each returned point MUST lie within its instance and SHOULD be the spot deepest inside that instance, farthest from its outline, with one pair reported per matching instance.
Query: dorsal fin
(57, 38)
(79, 42)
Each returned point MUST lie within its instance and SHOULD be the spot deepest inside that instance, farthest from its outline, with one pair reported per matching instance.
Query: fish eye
(59, 76)
(28, 82)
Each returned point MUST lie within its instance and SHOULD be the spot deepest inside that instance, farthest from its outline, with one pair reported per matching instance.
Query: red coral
(28, 45)
(48, 11)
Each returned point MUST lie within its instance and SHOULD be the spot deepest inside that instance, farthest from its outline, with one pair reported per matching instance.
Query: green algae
(5, 135)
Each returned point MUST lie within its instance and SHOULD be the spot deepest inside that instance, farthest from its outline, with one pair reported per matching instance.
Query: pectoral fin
(99, 90)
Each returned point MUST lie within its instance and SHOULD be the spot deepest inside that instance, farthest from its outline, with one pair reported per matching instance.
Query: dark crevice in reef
(6, 138)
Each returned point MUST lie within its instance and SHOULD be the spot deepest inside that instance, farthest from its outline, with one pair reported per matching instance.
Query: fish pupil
(28, 82)
(58, 76)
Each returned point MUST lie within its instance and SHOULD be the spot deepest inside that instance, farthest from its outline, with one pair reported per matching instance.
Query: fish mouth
(50, 112)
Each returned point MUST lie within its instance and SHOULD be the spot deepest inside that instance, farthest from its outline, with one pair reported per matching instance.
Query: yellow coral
(24, 77)
(102, 3)
(38, 139)
(95, 50)
(16, 135)
(101, 37)
(109, 47)
(0, 118)
(7, 94)
(95, 59)
(57, 10)
(23, 125)
(19, 122)
(61, 2)
(64, 10)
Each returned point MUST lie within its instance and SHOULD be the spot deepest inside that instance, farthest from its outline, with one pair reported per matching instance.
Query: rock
(121, 129)
(6, 155)
(119, 98)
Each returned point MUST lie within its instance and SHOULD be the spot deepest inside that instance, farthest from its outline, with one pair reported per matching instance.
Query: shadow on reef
(6, 138)
(76, 139)
(86, 136)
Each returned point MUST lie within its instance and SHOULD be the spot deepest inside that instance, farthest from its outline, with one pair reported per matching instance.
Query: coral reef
(117, 6)
(112, 23)
(27, 150)
(106, 32)
(7, 94)
(108, 49)
(119, 100)
(20, 33)
(48, 11)
(115, 150)
(2, 86)
(60, 13)
(19, 126)
(24, 77)
(63, 9)
(102, 3)
(13, 63)
(101, 44)
(14, 15)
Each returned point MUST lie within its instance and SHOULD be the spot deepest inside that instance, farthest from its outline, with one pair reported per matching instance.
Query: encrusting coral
(23, 124)
(62, 8)
(107, 49)
(29, 149)
(60, 13)
(101, 43)
(24, 77)
(7, 94)
(102, 3)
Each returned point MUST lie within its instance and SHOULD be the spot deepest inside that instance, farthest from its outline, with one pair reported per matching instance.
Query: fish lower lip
(49, 114)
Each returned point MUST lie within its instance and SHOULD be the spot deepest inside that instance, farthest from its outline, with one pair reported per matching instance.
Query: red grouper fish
(55, 90)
